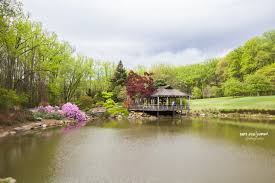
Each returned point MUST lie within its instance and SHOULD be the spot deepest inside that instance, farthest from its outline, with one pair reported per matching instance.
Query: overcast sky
(145, 32)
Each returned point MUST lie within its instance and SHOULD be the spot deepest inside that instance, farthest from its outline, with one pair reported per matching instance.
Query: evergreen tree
(120, 76)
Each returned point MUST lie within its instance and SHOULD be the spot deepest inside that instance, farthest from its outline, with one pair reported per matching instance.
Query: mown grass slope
(261, 102)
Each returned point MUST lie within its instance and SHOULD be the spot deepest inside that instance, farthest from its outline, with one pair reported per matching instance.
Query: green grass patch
(229, 103)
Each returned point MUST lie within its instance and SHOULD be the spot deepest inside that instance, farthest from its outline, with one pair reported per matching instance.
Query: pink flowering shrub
(68, 110)
(48, 109)
(72, 111)
(48, 112)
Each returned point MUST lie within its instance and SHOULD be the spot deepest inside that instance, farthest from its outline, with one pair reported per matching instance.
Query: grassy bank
(260, 103)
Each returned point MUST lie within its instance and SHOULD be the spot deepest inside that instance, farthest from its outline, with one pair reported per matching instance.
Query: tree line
(247, 70)
(36, 65)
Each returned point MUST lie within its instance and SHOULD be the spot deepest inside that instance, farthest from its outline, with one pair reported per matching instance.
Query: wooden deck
(157, 108)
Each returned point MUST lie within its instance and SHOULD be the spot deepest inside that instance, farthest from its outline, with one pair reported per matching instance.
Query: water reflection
(28, 157)
(167, 150)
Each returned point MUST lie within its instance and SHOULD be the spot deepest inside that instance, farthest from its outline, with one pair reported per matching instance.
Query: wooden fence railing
(158, 108)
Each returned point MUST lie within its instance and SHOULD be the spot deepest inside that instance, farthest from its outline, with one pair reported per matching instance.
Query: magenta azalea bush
(72, 111)
(68, 110)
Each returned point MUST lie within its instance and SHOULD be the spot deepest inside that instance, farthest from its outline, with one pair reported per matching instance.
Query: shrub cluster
(9, 98)
(68, 110)
(72, 111)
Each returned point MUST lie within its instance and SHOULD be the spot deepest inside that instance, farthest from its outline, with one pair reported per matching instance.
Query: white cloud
(150, 31)
(187, 56)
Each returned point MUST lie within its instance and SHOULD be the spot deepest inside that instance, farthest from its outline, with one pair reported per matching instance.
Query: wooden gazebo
(165, 98)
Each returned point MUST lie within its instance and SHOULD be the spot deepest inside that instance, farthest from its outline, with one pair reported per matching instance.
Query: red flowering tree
(139, 86)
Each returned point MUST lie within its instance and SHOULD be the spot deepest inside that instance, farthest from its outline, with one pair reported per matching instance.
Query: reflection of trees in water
(70, 128)
(230, 130)
(28, 155)
(218, 129)
(36, 157)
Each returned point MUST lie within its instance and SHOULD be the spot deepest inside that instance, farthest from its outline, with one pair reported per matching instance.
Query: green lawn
(262, 102)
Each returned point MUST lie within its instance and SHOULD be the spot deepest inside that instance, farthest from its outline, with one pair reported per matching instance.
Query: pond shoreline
(134, 116)
(69, 155)
(33, 126)
(212, 113)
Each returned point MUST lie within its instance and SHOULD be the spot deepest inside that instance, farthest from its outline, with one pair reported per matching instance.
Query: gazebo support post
(167, 102)
(188, 104)
(173, 108)
(158, 108)
(181, 106)
(158, 103)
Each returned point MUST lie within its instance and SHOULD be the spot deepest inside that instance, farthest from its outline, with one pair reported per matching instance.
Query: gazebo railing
(155, 107)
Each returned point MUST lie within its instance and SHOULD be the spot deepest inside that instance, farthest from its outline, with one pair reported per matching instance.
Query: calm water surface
(190, 151)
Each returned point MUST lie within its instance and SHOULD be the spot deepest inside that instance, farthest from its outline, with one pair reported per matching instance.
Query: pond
(167, 150)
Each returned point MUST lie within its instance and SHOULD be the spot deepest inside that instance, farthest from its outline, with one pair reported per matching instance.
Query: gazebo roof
(168, 91)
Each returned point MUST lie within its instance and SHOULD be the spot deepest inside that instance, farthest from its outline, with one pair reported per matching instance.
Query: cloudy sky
(145, 32)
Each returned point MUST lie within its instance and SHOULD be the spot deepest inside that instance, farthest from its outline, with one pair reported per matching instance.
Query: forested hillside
(247, 70)
(35, 67)
(38, 66)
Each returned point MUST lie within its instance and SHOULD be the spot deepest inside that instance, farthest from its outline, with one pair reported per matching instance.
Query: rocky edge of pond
(7, 180)
(231, 115)
(43, 124)
(93, 115)
(101, 112)
(141, 116)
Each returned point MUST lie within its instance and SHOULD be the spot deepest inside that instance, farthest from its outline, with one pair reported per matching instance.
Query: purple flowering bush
(68, 110)
(46, 109)
(72, 111)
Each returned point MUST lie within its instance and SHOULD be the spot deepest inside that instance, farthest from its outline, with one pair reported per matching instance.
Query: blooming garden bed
(49, 116)
(68, 110)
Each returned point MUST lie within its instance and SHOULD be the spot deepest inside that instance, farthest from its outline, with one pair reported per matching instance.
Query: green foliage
(85, 102)
(269, 72)
(34, 62)
(41, 115)
(9, 98)
(196, 93)
(109, 103)
(98, 98)
(207, 92)
(99, 104)
(258, 84)
(233, 87)
(162, 72)
(160, 82)
(118, 110)
(118, 82)
(197, 75)
(120, 93)
(72, 73)
(119, 77)
(257, 55)
(184, 102)
(216, 91)
(141, 69)
(233, 59)
(107, 95)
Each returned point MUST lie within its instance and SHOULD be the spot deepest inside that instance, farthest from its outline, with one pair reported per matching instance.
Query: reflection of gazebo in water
(164, 99)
